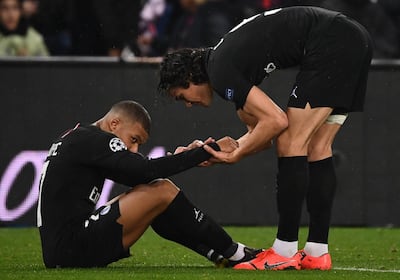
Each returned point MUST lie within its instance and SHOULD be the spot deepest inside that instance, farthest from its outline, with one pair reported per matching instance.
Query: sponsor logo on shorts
(229, 94)
(116, 145)
(294, 92)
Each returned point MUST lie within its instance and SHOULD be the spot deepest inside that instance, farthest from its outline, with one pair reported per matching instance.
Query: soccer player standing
(333, 53)
(74, 235)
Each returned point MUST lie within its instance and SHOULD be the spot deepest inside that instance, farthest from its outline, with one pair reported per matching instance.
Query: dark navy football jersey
(80, 161)
(275, 39)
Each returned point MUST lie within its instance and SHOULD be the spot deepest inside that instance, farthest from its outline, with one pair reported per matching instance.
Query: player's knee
(289, 146)
(319, 150)
(165, 189)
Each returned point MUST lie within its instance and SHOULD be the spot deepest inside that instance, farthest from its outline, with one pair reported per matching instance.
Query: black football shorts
(95, 242)
(334, 70)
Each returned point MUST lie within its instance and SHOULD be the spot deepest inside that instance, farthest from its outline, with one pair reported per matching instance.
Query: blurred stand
(150, 28)
(372, 15)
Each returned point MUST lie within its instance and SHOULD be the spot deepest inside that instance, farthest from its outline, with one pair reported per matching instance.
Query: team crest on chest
(116, 145)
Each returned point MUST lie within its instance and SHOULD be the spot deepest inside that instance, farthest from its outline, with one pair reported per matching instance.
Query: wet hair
(180, 68)
(134, 112)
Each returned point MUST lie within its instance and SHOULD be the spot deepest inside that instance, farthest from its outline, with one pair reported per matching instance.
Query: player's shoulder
(309, 11)
(85, 140)
(86, 135)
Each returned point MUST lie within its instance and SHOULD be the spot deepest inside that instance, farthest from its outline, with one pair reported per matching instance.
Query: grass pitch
(357, 253)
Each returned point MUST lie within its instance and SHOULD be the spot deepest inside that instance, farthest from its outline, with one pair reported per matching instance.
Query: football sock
(186, 224)
(315, 249)
(292, 183)
(238, 252)
(319, 199)
(285, 248)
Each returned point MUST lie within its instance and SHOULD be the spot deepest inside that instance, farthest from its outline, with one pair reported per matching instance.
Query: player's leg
(292, 183)
(174, 217)
(293, 173)
(140, 206)
(188, 225)
(321, 193)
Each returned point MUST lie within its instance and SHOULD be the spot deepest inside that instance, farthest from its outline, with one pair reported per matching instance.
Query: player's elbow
(280, 122)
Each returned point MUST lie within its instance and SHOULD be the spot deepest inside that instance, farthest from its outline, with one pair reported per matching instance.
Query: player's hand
(227, 154)
(199, 143)
(195, 144)
(227, 144)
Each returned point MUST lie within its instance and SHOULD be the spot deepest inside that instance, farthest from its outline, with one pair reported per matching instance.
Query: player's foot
(270, 260)
(217, 259)
(323, 262)
(249, 254)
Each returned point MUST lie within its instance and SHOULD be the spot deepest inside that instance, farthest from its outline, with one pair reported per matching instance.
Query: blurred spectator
(156, 20)
(202, 24)
(392, 8)
(383, 31)
(104, 27)
(53, 20)
(86, 27)
(17, 37)
(118, 24)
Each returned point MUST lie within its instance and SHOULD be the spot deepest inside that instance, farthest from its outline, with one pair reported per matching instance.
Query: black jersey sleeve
(106, 153)
(132, 168)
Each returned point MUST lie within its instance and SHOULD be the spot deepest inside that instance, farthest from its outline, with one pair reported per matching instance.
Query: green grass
(154, 258)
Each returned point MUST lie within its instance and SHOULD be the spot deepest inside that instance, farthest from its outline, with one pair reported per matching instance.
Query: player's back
(271, 40)
(69, 186)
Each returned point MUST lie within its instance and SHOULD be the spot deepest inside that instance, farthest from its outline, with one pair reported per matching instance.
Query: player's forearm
(134, 171)
(256, 140)
(171, 165)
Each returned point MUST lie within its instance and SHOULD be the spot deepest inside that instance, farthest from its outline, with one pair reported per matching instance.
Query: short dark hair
(181, 67)
(135, 112)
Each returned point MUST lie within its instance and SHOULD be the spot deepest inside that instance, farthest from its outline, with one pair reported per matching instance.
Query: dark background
(41, 99)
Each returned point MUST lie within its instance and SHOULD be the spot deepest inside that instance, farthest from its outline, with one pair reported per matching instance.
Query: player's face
(200, 95)
(131, 133)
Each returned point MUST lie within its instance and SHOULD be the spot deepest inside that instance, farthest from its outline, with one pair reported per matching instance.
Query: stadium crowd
(153, 27)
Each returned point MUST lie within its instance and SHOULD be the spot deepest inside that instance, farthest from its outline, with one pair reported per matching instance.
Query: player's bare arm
(264, 120)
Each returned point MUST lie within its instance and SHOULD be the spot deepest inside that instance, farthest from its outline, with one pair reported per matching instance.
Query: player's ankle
(234, 252)
(315, 249)
(285, 248)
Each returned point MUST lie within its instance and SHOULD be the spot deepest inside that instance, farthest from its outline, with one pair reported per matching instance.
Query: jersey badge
(229, 94)
(270, 68)
(116, 145)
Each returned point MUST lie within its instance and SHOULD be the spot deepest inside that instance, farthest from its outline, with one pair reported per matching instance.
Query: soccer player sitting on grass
(73, 234)
(333, 53)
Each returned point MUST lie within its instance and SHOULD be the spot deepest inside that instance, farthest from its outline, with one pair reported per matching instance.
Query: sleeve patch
(116, 145)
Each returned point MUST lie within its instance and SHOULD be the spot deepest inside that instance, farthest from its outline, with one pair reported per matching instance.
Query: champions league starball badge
(116, 145)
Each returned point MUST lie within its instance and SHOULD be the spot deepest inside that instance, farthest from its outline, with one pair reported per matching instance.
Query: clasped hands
(226, 144)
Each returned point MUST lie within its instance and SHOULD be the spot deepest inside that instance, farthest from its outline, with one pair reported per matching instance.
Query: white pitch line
(366, 269)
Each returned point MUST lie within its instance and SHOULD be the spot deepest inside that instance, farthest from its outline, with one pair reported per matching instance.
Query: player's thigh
(141, 205)
(303, 124)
